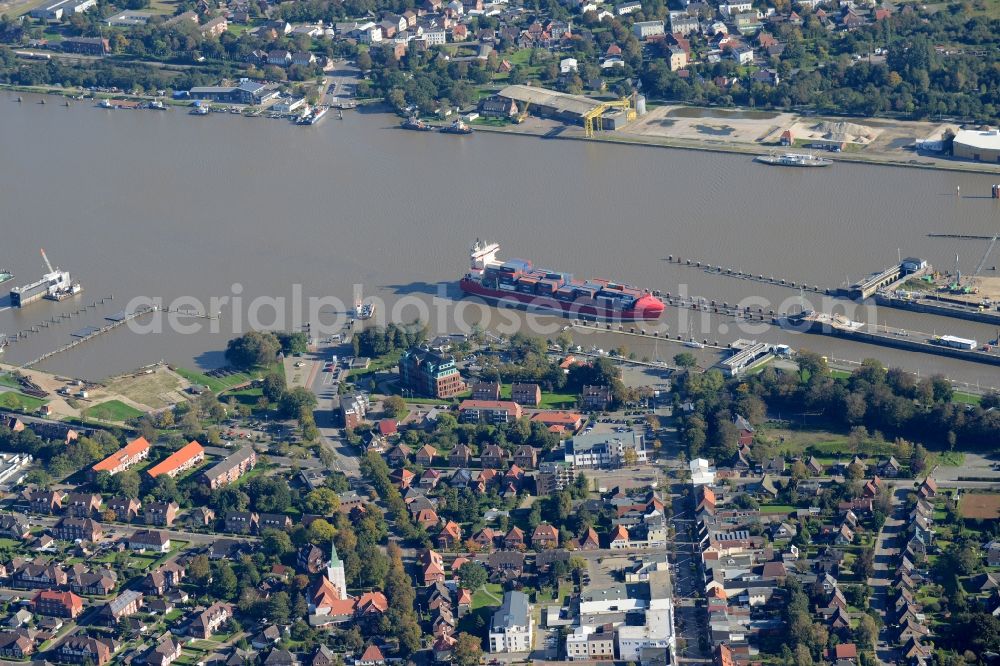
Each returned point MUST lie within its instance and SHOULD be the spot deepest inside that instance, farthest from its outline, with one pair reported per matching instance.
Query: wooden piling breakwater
(739, 274)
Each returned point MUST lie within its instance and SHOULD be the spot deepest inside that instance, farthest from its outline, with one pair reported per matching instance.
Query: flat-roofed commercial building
(979, 145)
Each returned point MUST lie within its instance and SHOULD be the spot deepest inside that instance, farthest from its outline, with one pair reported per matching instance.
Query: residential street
(688, 588)
(886, 560)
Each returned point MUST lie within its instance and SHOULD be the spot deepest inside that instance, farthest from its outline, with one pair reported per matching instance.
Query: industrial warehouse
(590, 113)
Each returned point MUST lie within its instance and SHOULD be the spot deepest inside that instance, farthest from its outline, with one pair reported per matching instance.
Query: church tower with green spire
(335, 572)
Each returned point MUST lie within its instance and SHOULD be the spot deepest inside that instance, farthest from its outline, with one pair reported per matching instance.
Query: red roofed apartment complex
(134, 451)
(57, 604)
(560, 421)
(184, 459)
(489, 411)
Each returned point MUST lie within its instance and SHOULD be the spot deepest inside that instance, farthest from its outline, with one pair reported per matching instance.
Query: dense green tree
(473, 575)
(253, 349)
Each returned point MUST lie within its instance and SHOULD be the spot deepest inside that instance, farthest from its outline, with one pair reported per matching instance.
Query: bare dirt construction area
(755, 131)
(710, 125)
(156, 389)
(986, 288)
(982, 506)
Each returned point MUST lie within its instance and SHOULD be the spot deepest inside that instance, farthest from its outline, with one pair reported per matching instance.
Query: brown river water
(146, 204)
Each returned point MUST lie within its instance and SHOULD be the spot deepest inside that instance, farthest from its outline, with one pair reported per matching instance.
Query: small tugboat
(106, 104)
(794, 160)
(457, 127)
(199, 110)
(156, 105)
(416, 124)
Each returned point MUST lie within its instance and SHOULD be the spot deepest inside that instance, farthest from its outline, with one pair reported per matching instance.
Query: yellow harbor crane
(521, 117)
(589, 126)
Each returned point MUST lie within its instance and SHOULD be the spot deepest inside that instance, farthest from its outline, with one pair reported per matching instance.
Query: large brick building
(232, 468)
(57, 604)
(85, 650)
(431, 374)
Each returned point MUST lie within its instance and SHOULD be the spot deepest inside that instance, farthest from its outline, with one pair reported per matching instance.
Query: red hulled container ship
(516, 281)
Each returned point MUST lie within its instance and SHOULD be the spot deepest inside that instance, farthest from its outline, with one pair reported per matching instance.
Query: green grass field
(214, 384)
(379, 364)
(112, 410)
(20, 402)
(8, 380)
(246, 396)
(549, 400)
(965, 398)
(951, 459)
(491, 595)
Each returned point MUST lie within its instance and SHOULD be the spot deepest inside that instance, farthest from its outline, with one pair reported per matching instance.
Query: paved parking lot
(606, 571)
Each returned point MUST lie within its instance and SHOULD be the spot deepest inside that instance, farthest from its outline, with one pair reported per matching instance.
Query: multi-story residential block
(526, 456)
(16, 644)
(37, 574)
(126, 509)
(646, 29)
(493, 457)
(273, 521)
(232, 468)
(511, 624)
(80, 649)
(489, 411)
(529, 395)
(134, 452)
(241, 522)
(596, 398)
(45, 502)
(185, 458)
(57, 604)
(208, 621)
(82, 505)
(160, 513)
(353, 410)
(486, 391)
(124, 605)
(84, 529)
